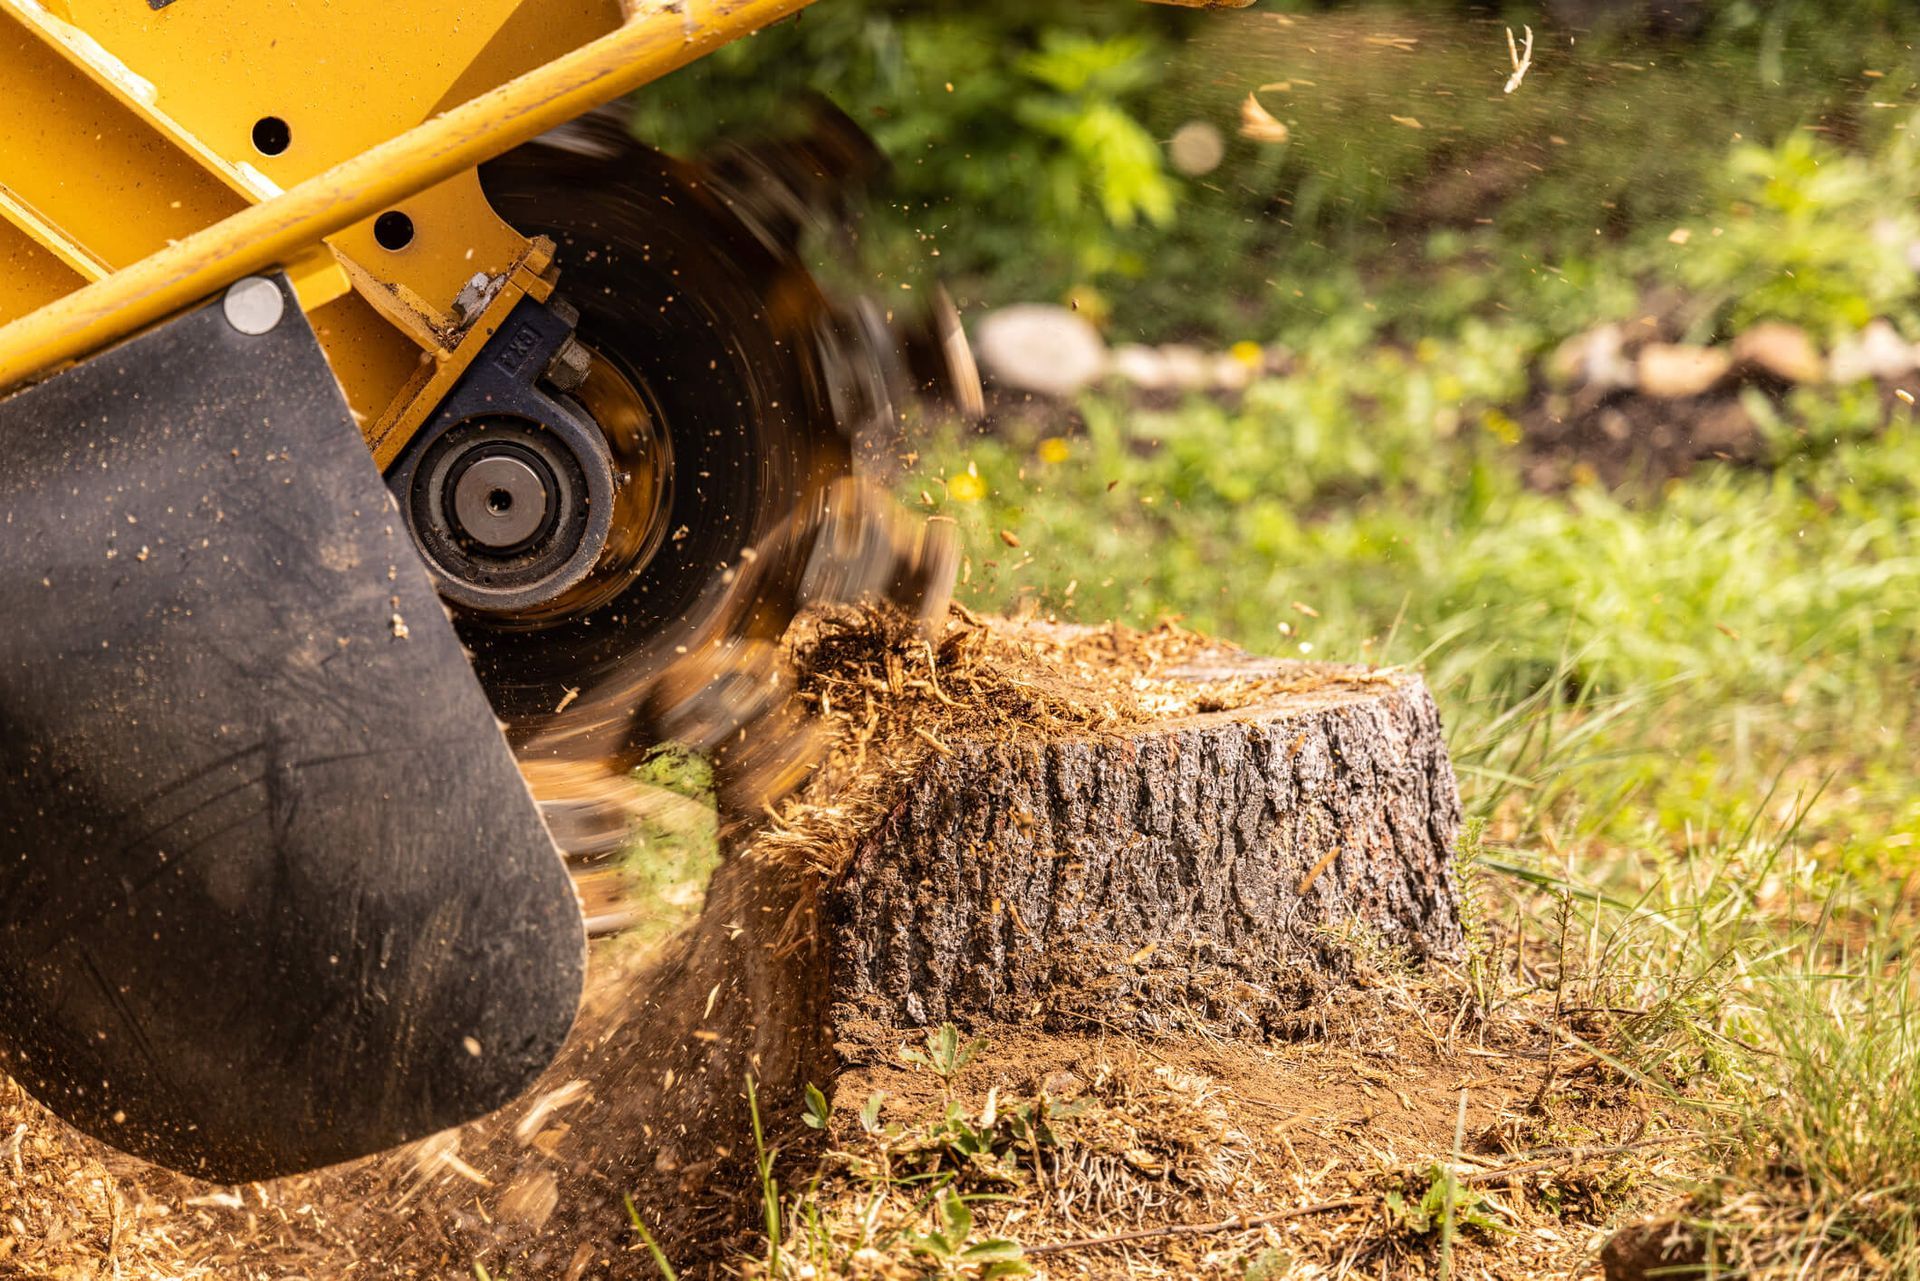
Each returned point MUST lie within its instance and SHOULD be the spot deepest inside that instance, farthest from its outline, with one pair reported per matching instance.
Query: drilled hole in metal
(271, 135)
(393, 230)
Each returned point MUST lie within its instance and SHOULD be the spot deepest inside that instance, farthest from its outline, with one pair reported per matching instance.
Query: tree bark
(1219, 868)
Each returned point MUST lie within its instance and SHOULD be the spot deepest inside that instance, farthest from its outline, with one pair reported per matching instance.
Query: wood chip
(1313, 873)
(1259, 124)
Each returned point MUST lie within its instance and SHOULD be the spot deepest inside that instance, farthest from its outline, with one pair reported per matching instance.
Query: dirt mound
(1196, 1157)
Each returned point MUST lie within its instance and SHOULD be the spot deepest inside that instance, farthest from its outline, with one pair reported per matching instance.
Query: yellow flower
(1503, 428)
(1248, 353)
(1053, 450)
(966, 488)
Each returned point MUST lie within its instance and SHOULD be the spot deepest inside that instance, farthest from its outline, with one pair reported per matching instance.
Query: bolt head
(569, 366)
(254, 305)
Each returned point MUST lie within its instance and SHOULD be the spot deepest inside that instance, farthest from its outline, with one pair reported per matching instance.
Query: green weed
(945, 1054)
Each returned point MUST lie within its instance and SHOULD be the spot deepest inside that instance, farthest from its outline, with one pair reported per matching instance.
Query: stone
(1675, 370)
(1230, 373)
(1597, 359)
(1141, 365)
(1188, 368)
(1876, 352)
(1040, 348)
(1780, 351)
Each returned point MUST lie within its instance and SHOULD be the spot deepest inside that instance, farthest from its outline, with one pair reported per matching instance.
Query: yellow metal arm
(655, 40)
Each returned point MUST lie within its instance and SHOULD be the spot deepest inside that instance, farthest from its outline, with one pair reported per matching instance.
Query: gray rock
(1041, 348)
(1878, 351)
(1674, 370)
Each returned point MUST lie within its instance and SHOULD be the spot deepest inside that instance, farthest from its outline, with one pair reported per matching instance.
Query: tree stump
(1217, 864)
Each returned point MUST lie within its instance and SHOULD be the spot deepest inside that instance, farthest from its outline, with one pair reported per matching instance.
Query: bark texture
(1218, 868)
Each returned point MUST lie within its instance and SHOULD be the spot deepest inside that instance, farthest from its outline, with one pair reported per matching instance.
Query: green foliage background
(1028, 144)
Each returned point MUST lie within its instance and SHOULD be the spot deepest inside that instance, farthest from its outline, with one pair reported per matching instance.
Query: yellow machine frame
(132, 185)
(134, 181)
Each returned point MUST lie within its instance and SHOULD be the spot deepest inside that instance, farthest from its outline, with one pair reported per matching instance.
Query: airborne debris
(1522, 61)
(545, 1106)
(1313, 873)
(1259, 124)
(1196, 148)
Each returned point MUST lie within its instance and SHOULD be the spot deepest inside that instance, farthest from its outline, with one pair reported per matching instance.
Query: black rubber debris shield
(272, 892)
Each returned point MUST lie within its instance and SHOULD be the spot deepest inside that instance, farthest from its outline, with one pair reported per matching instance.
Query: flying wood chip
(1259, 124)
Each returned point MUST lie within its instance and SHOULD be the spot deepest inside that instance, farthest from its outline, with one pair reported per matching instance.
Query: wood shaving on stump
(1077, 830)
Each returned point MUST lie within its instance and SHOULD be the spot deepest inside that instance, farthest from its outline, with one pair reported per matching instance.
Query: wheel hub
(503, 510)
(501, 501)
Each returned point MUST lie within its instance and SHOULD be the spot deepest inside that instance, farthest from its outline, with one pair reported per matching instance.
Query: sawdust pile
(890, 695)
(67, 1214)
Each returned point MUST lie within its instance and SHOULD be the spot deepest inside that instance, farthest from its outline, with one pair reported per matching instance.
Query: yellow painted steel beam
(51, 238)
(30, 275)
(657, 39)
(87, 166)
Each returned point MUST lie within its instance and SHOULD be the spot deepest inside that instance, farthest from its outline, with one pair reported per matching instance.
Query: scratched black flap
(272, 893)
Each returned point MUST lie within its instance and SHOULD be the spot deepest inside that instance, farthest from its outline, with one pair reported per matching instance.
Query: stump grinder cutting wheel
(380, 423)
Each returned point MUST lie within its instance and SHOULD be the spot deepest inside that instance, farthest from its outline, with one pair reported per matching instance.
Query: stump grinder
(378, 420)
